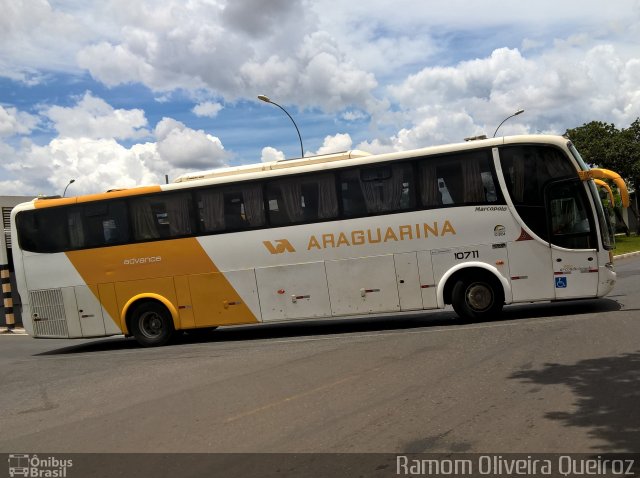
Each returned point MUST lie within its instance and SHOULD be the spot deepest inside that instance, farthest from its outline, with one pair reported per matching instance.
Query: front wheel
(477, 298)
(152, 324)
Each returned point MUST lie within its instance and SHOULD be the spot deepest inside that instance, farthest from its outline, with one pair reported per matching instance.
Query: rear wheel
(152, 324)
(477, 298)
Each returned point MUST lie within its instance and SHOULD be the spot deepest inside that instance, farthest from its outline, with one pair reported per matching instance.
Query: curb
(626, 256)
(16, 331)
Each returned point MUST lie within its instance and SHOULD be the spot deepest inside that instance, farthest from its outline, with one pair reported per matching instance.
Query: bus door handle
(85, 316)
(296, 298)
(227, 303)
(364, 292)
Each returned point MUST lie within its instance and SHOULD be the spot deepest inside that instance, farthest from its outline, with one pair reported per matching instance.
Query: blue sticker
(561, 282)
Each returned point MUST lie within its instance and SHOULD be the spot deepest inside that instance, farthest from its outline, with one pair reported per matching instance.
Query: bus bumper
(607, 279)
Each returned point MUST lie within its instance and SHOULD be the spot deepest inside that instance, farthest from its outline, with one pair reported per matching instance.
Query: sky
(116, 93)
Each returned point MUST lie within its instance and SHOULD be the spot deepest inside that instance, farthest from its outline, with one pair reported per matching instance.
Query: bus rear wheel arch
(150, 323)
(476, 296)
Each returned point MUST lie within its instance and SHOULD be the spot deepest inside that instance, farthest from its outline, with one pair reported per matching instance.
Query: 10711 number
(466, 255)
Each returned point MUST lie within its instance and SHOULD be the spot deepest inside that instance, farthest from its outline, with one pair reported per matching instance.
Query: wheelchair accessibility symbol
(561, 282)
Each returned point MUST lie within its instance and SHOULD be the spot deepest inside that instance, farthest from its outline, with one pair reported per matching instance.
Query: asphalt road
(559, 377)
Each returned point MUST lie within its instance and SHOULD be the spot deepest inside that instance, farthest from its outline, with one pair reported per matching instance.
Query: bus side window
(379, 189)
(302, 199)
(230, 208)
(161, 216)
(353, 203)
(47, 230)
(459, 179)
(105, 223)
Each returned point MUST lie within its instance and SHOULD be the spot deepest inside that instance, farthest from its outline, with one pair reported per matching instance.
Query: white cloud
(93, 117)
(96, 164)
(354, 115)
(229, 49)
(14, 122)
(271, 154)
(185, 148)
(413, 76)
(36, 36)
(558, 89)
(87, 150)
(335, 144)
(208, 109)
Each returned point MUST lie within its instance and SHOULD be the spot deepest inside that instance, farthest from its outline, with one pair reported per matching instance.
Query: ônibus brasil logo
(34, 466)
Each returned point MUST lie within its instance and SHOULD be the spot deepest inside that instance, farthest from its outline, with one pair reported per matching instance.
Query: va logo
(281, 246)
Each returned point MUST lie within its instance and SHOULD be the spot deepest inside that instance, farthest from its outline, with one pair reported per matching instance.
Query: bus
(476, 225)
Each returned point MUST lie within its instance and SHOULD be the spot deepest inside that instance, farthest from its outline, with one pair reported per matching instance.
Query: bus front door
(573, 240)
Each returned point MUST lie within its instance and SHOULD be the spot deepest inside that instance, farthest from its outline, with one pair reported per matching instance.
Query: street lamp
(65, 189)
(514, 114)
(266, 99)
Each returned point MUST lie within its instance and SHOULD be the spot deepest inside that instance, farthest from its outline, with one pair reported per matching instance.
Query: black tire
(152, 324)
(477, 298)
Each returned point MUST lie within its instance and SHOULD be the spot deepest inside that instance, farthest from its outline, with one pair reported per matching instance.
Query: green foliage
(604, 145)
(625, 244)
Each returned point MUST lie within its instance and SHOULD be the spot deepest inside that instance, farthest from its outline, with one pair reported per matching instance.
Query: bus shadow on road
(342, 326)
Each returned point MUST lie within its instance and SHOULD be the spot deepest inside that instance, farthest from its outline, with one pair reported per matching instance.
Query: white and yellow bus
(476, 225)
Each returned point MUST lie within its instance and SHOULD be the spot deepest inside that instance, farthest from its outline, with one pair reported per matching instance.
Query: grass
(626, 244)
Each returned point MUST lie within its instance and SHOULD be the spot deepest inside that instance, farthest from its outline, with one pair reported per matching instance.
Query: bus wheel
(477, 298)
(152, 324)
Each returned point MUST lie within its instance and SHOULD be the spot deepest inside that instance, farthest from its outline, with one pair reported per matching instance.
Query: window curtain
(144, 224)
(327, 199)
(555, 164)
(385, 194)
(212, 210)
(371, 190)
(291, 192)
(473, 188)
(392, 188)
(178, 208)
(76, 232)
(429, 187)
(517, 179)
(253, 204)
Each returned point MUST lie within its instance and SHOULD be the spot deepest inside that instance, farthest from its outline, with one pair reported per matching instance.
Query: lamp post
(266, 99)
(65, 189)
(514, 114)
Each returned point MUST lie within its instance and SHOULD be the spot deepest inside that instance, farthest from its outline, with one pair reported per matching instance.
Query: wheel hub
(151, 325)
(479, 297)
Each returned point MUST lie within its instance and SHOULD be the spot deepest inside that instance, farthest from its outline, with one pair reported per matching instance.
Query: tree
(603, 145)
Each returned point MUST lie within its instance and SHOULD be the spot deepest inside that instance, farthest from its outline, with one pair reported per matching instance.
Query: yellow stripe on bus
(116, 193)
(179, 270)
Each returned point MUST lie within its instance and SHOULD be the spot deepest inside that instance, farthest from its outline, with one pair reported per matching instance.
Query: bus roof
(280, 164)
(285, 167)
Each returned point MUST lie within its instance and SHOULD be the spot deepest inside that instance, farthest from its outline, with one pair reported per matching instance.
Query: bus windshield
(607, 232)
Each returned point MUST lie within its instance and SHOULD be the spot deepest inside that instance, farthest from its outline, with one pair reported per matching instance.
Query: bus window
(379, 189)
(527, 170)
(104, 223)
(44, 230)
(230, 208)
(456, 180)
(161, 216)
(569, 216)
(302, 199)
